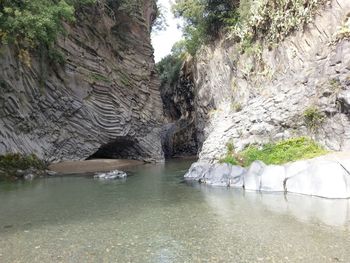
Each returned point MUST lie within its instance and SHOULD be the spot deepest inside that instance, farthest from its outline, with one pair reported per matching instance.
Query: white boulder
(252, 179)
(272, 178)
(111, 175)
(323, 178)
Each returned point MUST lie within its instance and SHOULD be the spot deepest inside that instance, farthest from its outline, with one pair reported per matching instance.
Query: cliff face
(104, 101)
(257, 98)
(180, 133)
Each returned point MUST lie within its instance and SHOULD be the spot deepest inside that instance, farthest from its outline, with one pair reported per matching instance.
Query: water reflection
(304, 208)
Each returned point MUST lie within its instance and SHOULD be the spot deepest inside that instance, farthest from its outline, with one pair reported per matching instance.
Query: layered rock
(180, 133)
(104, 100)
(258, 97)
(326, 176)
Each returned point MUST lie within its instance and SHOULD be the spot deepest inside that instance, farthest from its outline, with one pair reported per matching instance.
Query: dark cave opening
(119, 148)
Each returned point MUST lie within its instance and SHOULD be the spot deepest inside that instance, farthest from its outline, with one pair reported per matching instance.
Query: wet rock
(29, 177)
(326, 176)
(272, 178)
(111, 175)
(50, 173)
(237, 176)
(218, 175)
(197, 171)
(252, 179)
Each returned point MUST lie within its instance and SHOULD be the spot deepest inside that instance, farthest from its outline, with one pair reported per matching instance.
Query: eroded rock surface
(105, 98)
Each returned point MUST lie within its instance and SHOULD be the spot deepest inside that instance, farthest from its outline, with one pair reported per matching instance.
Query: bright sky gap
(163, 41)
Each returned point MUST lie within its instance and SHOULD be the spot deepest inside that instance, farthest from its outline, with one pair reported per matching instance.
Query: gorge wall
(301, 87)
(104, 101)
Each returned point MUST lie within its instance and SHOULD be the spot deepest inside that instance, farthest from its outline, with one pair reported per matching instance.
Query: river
(153, 216)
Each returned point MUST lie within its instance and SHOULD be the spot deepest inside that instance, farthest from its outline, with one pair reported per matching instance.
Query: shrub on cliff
(16, 161)
(204, 19)
(246, 20)
(277, 153)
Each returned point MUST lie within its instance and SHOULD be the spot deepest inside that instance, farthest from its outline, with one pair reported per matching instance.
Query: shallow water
(154, 217)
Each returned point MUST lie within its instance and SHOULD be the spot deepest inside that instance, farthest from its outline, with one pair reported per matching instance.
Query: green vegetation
(313, 118)
(169, 67)
(22, 162)
(35, 24)
(343, 31)
(32, 22)
(247, 21)
(203, 20)
(276, 153)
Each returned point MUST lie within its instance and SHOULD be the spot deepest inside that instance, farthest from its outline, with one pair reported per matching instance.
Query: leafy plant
(204, 19)
(169, 67)
(17, 161)
(277, 153)
(30, 24)
(313, 118)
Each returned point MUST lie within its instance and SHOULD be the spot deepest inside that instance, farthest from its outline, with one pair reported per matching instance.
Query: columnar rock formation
(104, 99)
(262, 97)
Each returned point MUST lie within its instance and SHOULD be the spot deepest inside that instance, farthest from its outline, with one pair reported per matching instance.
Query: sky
(164, 40)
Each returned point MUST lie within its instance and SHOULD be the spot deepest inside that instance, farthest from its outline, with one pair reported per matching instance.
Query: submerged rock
(111, 175)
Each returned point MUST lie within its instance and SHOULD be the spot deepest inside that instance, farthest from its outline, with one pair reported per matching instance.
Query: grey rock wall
(105, 97)
(245, 99)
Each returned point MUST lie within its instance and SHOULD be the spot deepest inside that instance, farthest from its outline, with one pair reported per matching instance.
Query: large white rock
(324, 178)
(294, 168)
(252, 179)
(272, 178)
(218, 175)
(197, 171)
(236, 179)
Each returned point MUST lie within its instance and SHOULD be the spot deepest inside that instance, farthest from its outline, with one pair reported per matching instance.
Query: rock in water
(272, 178)
(197, 171)
(321, 178)
(252, 179)
(111, 175)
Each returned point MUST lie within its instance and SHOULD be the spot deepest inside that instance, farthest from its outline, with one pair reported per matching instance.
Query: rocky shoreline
(327, 176)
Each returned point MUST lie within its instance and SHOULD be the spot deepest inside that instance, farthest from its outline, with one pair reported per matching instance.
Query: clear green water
(154, 217)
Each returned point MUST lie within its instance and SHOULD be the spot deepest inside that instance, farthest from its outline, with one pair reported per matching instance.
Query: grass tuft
(277, 153)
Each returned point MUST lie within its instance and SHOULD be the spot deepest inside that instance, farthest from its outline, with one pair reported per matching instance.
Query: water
(154, 217)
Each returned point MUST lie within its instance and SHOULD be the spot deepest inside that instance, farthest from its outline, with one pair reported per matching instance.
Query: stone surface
(179, 136)
(237, 176)
(252, 179)
(104, 100)
(272, 178)
(111, 175)
(197, 171)
(321, 178)
(218, 175)
(326, 176)
(245, 99)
